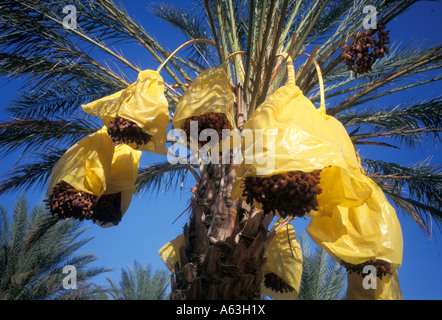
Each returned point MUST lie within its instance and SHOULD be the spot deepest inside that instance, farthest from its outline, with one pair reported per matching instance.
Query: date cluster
(125, 131)
(291, 194)
(365, 49)
(68, 202)
(210, 120)
(272, 281)
(382, 267)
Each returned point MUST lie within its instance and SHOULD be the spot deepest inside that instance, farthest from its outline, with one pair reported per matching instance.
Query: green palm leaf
(414, 189)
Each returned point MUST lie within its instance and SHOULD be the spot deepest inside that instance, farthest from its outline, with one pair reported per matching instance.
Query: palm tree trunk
(224, 244)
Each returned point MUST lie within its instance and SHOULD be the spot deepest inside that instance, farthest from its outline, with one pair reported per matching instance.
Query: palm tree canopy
(66, 68)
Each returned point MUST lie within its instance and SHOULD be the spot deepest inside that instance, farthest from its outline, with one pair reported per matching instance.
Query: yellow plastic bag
(86, 165)
(342, 185)
(170, 252)
(284, 260)
(122, 177)
(143, 103)
(210, 92)
(358, 234)
(387, 288)
(296, 136)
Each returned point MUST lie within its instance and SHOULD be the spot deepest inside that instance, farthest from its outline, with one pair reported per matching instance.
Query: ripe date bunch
(291, 194)
(210, 120)
(125, 131)
(272, 281)
(68, 202)
(382, 267)
(365, 49)
(108, 209)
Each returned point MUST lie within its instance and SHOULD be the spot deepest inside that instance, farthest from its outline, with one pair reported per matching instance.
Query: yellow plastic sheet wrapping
(170, 252)
(387, 288)
(284, 258)
(306, 139)
(303, 140)
(144, 103)
(86, 165)
(123, 174)
(358, 234)
(210, 91)
(342, 185)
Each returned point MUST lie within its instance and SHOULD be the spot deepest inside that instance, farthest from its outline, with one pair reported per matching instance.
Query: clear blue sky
(147, 224)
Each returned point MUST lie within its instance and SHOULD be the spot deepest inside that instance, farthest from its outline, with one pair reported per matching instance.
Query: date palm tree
(34, 251)
(65, 68)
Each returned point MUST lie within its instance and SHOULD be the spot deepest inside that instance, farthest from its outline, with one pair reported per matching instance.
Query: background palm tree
(323, 278)
(140, 283)
(66, 68)
(34, 249)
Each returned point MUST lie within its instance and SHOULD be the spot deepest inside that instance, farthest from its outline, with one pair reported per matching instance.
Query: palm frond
(409, 123)
(32, 43)
(399, 55)
(191, 23)
(52, 64)
(329, 19)
(54, 86)
(426, 114)
(34, 174)
(36, 29)
(39, 227)
(402, 57)
(43, 68)
(118, 20)
(36, 134)
(62, 100)
(416, 189)
(161, 177)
